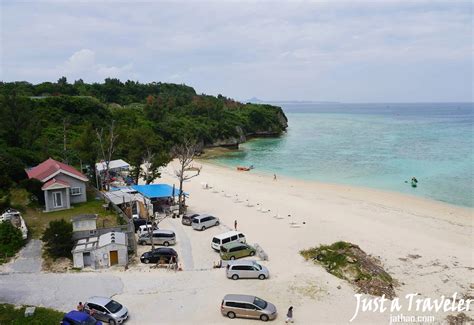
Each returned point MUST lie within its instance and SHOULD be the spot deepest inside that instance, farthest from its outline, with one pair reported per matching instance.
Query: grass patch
(14, 315)
(347, 261)
(37, 220)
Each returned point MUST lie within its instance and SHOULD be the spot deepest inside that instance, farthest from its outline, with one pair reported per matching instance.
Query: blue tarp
(154, 191)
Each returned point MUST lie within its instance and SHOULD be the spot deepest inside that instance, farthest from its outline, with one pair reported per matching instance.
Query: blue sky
(348, 51)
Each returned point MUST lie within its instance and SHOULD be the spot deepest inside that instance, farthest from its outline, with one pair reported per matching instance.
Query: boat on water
(244, 168)
(14, 216)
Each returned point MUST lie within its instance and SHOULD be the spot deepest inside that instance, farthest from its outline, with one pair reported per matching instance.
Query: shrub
(11, 239)
(58, 239)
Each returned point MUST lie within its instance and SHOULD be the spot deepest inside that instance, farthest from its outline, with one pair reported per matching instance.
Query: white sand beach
(427, 246)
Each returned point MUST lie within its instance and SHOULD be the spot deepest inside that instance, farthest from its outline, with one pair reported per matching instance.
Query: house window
(76, 191)
(57, 199)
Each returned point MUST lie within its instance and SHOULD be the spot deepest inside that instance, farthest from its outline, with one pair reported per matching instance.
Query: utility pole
(65, 158)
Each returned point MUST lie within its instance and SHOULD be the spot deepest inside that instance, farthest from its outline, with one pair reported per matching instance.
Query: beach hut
(103, 251)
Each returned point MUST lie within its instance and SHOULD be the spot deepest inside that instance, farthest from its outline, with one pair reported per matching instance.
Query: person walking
(289, 315)
(80, 306)
(274, 177)
(235, 225)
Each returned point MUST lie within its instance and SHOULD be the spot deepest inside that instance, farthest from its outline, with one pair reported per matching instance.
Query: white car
(143, 229)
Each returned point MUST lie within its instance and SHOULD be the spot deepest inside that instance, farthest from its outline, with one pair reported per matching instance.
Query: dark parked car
(187, 220)
(162, 254)
(79, 318)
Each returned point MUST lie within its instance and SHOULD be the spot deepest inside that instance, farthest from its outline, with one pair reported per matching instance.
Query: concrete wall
(81, 225)
(74, 182)
(49, 201)
(102, 255)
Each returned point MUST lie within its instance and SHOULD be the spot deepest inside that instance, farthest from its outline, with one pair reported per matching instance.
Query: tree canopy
(61, 120)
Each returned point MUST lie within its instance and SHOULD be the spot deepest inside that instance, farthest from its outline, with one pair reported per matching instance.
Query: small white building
(101, 252)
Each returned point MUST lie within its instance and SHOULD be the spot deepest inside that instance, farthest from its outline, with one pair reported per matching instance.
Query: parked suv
(188, 220)
(163, 254)
(246, 306)
(143, 229)
(204, 221)
(76, 317)
(246, 269)
(106, 309)
(140, 222)
(235, 250)
(160, 237)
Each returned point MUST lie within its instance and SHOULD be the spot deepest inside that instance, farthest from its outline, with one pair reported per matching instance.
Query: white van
(228, 237)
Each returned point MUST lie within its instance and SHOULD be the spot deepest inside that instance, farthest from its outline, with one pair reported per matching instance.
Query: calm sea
(373, 145)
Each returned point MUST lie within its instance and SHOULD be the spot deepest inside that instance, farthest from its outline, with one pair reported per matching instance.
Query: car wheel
(112, 322)
(252, 253)
(166, 243)
(232, 258)
(146, 261)
(264, 318)
(231, 314)
(217, 223)
(203, 228)
(235, 277)
(261, 276)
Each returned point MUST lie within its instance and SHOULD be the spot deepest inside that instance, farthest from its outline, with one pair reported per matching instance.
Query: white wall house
(101, 252)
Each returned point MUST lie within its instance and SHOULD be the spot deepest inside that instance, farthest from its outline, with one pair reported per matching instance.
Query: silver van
(160, 237)
(246, 306)
(246, 269)
(204, 221)
(227, 237)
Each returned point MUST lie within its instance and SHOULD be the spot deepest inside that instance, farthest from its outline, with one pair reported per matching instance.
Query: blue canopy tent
(157, 191)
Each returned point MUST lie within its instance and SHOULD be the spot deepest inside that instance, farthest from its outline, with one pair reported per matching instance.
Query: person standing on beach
(274, 177)
(235, 224)
(289, 315)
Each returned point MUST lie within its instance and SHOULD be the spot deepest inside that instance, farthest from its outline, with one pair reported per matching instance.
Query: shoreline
(374, 195)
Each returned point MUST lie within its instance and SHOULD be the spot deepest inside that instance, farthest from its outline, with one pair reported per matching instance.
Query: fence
(129, 228)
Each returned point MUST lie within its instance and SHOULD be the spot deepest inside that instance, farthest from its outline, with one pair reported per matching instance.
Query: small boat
(244, 169)
(14, 216)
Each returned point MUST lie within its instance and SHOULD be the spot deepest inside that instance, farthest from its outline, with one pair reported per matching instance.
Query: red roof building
(62, 184)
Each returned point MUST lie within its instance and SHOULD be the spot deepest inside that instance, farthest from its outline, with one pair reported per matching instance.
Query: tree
(58, 238)
(185, 153)
(11, 239)
(107, 144)
(146, 153)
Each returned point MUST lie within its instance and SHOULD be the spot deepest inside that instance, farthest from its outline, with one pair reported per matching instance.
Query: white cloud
(245, 49)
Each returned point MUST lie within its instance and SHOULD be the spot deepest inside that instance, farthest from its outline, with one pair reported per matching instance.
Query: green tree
(58, 238)
(146, 153)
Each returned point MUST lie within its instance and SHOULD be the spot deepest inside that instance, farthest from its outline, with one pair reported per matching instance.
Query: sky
(345, 51)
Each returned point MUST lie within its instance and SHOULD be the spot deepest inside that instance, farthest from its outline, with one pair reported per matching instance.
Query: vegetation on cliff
(61, 120)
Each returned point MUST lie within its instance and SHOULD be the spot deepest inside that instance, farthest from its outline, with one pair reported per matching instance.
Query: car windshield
(195, 220)
(260, 303)
(216, 240)
(258, 266)
(113, 306)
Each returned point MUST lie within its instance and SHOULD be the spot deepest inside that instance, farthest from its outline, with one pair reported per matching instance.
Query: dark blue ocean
(373, 145)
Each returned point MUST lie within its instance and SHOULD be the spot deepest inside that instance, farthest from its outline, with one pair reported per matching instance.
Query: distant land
(256, 100)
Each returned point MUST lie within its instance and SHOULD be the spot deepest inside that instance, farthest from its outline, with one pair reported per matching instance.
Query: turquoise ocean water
(373, 145)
